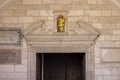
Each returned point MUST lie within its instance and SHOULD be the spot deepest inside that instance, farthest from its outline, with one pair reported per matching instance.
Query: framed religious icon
(60, 23)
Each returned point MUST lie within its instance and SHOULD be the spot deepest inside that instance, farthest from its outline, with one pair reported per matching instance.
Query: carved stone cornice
(37, 39)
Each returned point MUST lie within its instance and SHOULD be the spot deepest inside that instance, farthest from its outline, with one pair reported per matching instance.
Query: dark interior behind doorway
(60, 66)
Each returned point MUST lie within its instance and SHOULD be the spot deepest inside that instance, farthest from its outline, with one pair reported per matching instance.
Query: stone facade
(92, 27)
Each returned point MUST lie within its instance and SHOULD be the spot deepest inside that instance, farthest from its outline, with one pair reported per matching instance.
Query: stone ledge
(60, 38)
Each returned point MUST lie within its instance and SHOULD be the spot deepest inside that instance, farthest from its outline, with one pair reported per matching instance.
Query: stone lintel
(37, 38)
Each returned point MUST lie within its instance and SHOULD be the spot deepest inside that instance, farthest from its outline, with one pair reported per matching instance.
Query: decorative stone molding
(89, 51)
(60, 43)
(60, 37)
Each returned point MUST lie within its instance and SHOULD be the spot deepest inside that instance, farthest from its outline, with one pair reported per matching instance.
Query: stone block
(91, 1)
(57, 1)
(10, 56)
(7, 13)
(98, 71)
(33, 12)
(115, 13)
(110, 55)
(95, 19)
(85, 19)
(2, 78)
(97, 25)
(116, 37)
(97, 52)
(100, 2)
(46, 13)
(93, 13)
(2, 75)
(107, 44)
(79, 2)
(97, 59)
(20, 12)
(116, 71)
(108, 38)
(17, 75)
(111, 26)
(31, 1)
(69, 7)
(72, 19)
(116, 32)
(51, 18)
(113, 19)
(101, 65)
(10, 19)
(100, 38)
(25, 19)
(6, 68)
(36, 19)
(98, 7)
(20, 68)
(16, 79)
(10, 36)
(24, 43)
(76, 13)
(24, 61)
(117, 44)
(111, 77)
(1, 20)
(106, 12)
(107, 71)
(99, 78)
(112, 65)
(118, 26)
(24, 53)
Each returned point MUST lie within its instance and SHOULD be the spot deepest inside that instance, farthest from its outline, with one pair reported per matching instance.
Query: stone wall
(101, 17)
(12, 71)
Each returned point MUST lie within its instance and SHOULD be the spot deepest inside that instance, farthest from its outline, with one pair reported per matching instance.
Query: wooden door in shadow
(60, 66)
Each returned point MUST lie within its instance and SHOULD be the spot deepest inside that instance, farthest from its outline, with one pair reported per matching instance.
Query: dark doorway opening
(60, 66)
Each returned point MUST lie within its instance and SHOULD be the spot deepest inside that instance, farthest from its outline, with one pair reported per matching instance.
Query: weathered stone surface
(10, 56)
(31, 1)
(33, 13)
(79, 2)
(56, 1)
(106, 13)
(10, 20)
(99, 15)
(18, 75)
(93, 13)
(25, 19)
(6, 13)
(20, 68)
(10, 36)
(99, 78)
(76, 13)
(92, 1)
(110, 55)
(111, 77)
(6, 68)
(102, 71)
